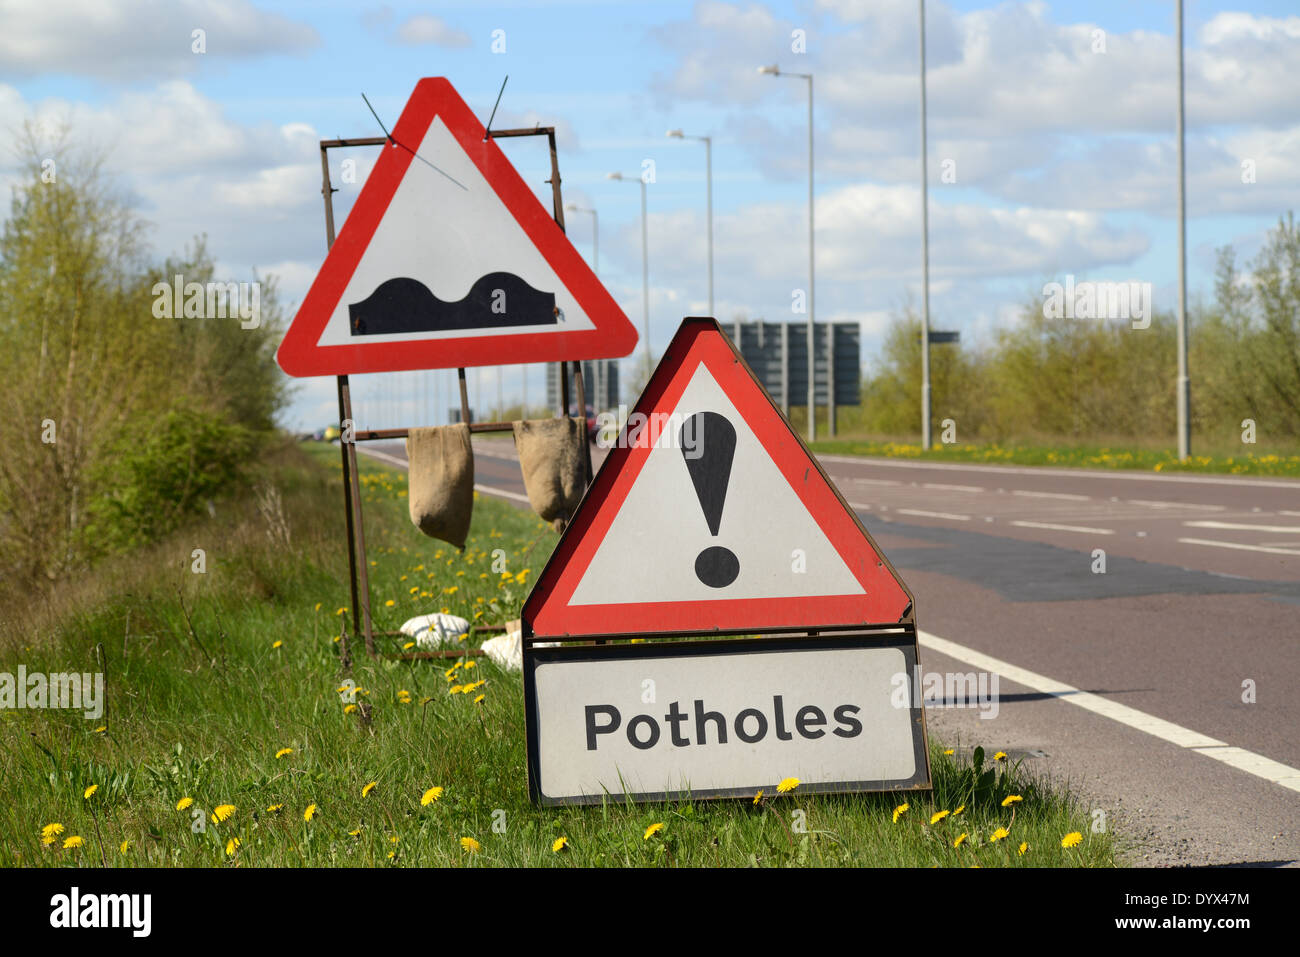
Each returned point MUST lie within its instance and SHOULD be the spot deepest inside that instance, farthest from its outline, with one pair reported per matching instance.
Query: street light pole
(1184, 417)
(925, 259)
(812, 278)
(645, 269)
(708, 188)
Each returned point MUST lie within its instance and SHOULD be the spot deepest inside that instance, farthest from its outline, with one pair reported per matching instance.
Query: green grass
(1075, 456)
(201, 713)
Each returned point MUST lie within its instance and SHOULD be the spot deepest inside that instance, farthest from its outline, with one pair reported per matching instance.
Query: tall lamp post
(645, 267)
(708, 172)
(1183, 397)
(925, 259)
(775, 70)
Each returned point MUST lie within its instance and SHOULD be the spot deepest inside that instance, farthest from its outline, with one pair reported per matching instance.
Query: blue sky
(1064, 154)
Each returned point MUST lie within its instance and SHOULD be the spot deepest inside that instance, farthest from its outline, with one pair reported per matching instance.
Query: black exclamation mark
(708, 443)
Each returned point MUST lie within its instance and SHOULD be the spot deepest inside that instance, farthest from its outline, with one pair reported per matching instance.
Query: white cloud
(133, 39)
(423, 29)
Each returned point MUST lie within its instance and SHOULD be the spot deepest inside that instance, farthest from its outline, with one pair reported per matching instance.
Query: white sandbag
(432, 631)
(507, 651)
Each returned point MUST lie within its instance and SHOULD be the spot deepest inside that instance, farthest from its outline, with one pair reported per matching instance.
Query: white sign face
(781, 549)
(476, 240)
(654, 722)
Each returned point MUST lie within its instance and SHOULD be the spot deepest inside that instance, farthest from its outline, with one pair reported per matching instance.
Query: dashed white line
(952, 488)
(1154, 504)
(924, 514)
(1239, 758)
(1065, 495)
(862, 481)
(1066, 528)
(1239, 545)
(1238, 526)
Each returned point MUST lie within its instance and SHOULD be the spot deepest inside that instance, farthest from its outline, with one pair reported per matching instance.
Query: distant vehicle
(330, 434)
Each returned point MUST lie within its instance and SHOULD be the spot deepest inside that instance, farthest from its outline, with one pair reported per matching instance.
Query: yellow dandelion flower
(101, 729)
(1011, 799)
(652, 830)
(937, 817)
(408, 646)
(900, 811)
(349, 708)
(356, 833)
(560, 844)
(222, 812)
(479, 699)
(124, 847)
(949, 751)
(787, 785)
(392, 854)
(283, 752)
(276, 644)
(275, 809)
(390, 603)
(960, 840)
(310, 813)
(1073, 839)
(365, 791)
(231, 845)
(758, 797)
(1000, 756)
(471, 845)
(959, 810)
(72, 842)
(456, 689)
(998, 835)
(183, 803)
(1024, 846)
(429, 796)
(471, 664)
(89, 791)
(50, 831)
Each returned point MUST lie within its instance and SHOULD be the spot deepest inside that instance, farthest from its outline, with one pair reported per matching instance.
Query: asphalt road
(1128, 684)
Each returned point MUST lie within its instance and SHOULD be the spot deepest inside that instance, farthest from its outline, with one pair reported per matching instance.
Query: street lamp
(925, 258)
(595, 234)
(775, 70)
(645, 264)
(708, 166)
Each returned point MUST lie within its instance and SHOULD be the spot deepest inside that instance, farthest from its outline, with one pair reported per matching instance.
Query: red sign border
(300, 355)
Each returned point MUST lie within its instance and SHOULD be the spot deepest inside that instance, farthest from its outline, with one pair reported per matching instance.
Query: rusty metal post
(351, 488)
(464, 396)
(579, 382)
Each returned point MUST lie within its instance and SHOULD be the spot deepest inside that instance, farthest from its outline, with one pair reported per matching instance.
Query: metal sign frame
(358, 567)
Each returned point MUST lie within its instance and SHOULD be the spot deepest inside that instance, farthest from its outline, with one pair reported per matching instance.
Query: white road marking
(1154, 504)
(862, 481)
(489, 490)
(375, 453)
(1280, 529)
(1066, 528)
(925, 514)
(1064, 495)
(1239, 545)
(952, 488)
(1239, 758)
(1283, 511)
(1043, 470)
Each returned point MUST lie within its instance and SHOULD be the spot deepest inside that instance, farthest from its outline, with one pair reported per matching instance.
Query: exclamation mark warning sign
(708, 444)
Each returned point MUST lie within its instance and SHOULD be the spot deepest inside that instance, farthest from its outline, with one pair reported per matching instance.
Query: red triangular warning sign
(711, 514)
(447, 259)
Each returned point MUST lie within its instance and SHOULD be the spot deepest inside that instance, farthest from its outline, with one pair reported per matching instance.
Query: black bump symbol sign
(708, 443)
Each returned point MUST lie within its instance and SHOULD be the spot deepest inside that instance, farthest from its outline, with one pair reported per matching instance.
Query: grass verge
(1077, 456)
(226, 740)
